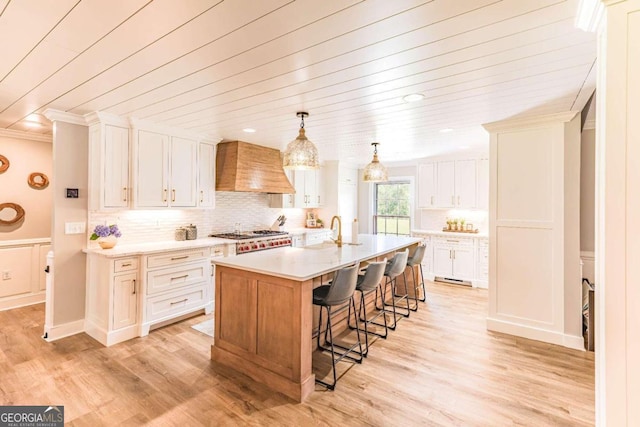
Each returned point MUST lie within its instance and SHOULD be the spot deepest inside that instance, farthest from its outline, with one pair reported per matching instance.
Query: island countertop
(312, 261)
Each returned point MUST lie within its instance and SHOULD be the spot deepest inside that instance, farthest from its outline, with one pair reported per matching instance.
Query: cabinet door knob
(201, 196)
(133, 282)
(164, 198)
(173, 195)
(124, 193)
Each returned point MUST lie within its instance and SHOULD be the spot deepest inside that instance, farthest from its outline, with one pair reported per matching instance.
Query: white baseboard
(21, 301)
(537, 334)
(52, 333)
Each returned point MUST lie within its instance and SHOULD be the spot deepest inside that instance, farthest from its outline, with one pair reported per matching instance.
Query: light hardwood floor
(441, 367)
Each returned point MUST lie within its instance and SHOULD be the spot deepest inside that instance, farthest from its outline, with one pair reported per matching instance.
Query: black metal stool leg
(424, 289)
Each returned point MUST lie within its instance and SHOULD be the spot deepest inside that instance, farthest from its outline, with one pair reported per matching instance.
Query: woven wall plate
(4, 163)
(19, 213)
(38, 181)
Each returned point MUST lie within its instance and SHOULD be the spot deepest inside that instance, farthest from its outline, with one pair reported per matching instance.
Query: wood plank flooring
(440, 367)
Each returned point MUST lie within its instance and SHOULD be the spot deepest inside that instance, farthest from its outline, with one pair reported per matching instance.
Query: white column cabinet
(427, 185)
(206, 175)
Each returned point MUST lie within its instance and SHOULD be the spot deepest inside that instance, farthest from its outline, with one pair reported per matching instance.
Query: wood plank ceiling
(217, 67)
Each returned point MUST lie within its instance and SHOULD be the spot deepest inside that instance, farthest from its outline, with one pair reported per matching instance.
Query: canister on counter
(181, 233)
(192, 232)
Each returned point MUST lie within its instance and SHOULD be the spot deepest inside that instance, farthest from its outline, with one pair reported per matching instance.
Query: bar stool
(416, 259)
(367, 283)
(394, 268)
(337, 293)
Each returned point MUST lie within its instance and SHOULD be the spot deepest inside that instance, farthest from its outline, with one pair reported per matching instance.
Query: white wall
(26, 156)
(70, 159)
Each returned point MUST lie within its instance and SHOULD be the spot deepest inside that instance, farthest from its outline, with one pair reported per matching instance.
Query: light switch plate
(75, 227)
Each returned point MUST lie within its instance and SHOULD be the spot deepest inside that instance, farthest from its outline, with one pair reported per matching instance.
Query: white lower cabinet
(125, 296)
(111, 309)
(453, 258)
(125, 300)
(458, 258)
(176, 283)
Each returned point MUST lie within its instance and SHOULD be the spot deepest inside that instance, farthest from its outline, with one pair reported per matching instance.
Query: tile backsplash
(251, 210)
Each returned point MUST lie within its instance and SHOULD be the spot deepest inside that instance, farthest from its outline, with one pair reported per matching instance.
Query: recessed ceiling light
(249, 130)
(413, 97)
(32, 124)
(446, 130)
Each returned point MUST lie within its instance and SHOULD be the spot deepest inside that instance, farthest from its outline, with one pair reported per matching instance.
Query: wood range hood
(241, 166)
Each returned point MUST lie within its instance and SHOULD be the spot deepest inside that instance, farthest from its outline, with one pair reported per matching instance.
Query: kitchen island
(264, 312)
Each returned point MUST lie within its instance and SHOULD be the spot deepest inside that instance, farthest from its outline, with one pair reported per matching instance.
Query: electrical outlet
(6, 275)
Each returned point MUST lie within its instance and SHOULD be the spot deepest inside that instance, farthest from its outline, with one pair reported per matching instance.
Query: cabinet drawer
(125, 264)
(166, 306)
(172, 278)
(453, 242)
(173, 258)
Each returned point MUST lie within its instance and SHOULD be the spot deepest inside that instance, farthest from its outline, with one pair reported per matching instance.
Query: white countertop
(154, 247)
(450, 233)
(311, 261)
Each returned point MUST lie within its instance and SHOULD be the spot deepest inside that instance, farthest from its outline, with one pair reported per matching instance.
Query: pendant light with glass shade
(301, 154)
(375, 171)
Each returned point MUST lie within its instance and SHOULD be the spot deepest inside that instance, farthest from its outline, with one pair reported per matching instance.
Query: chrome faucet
(339, 239)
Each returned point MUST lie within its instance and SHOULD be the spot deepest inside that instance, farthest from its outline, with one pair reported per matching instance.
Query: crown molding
(63, 116)
(525, 122)
(589, 124)
(96, 117)
(30, 136)
(589, 16)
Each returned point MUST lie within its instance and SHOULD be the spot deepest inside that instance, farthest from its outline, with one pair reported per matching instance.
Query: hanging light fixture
(375, 171)
(301, 153)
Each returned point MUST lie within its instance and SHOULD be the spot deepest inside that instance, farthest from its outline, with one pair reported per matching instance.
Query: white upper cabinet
(445, 196)
(116, 167)
(427, 185)
(307, 184)
(206, 175)
(166, 171)
(152, 170)
(183, 172)
(465, 184)
(447, 184)
(109, 150)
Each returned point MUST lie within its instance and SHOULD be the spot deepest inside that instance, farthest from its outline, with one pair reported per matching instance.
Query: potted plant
(106, 235)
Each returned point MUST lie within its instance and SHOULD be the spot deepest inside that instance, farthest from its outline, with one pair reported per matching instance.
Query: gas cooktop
(248, 235)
